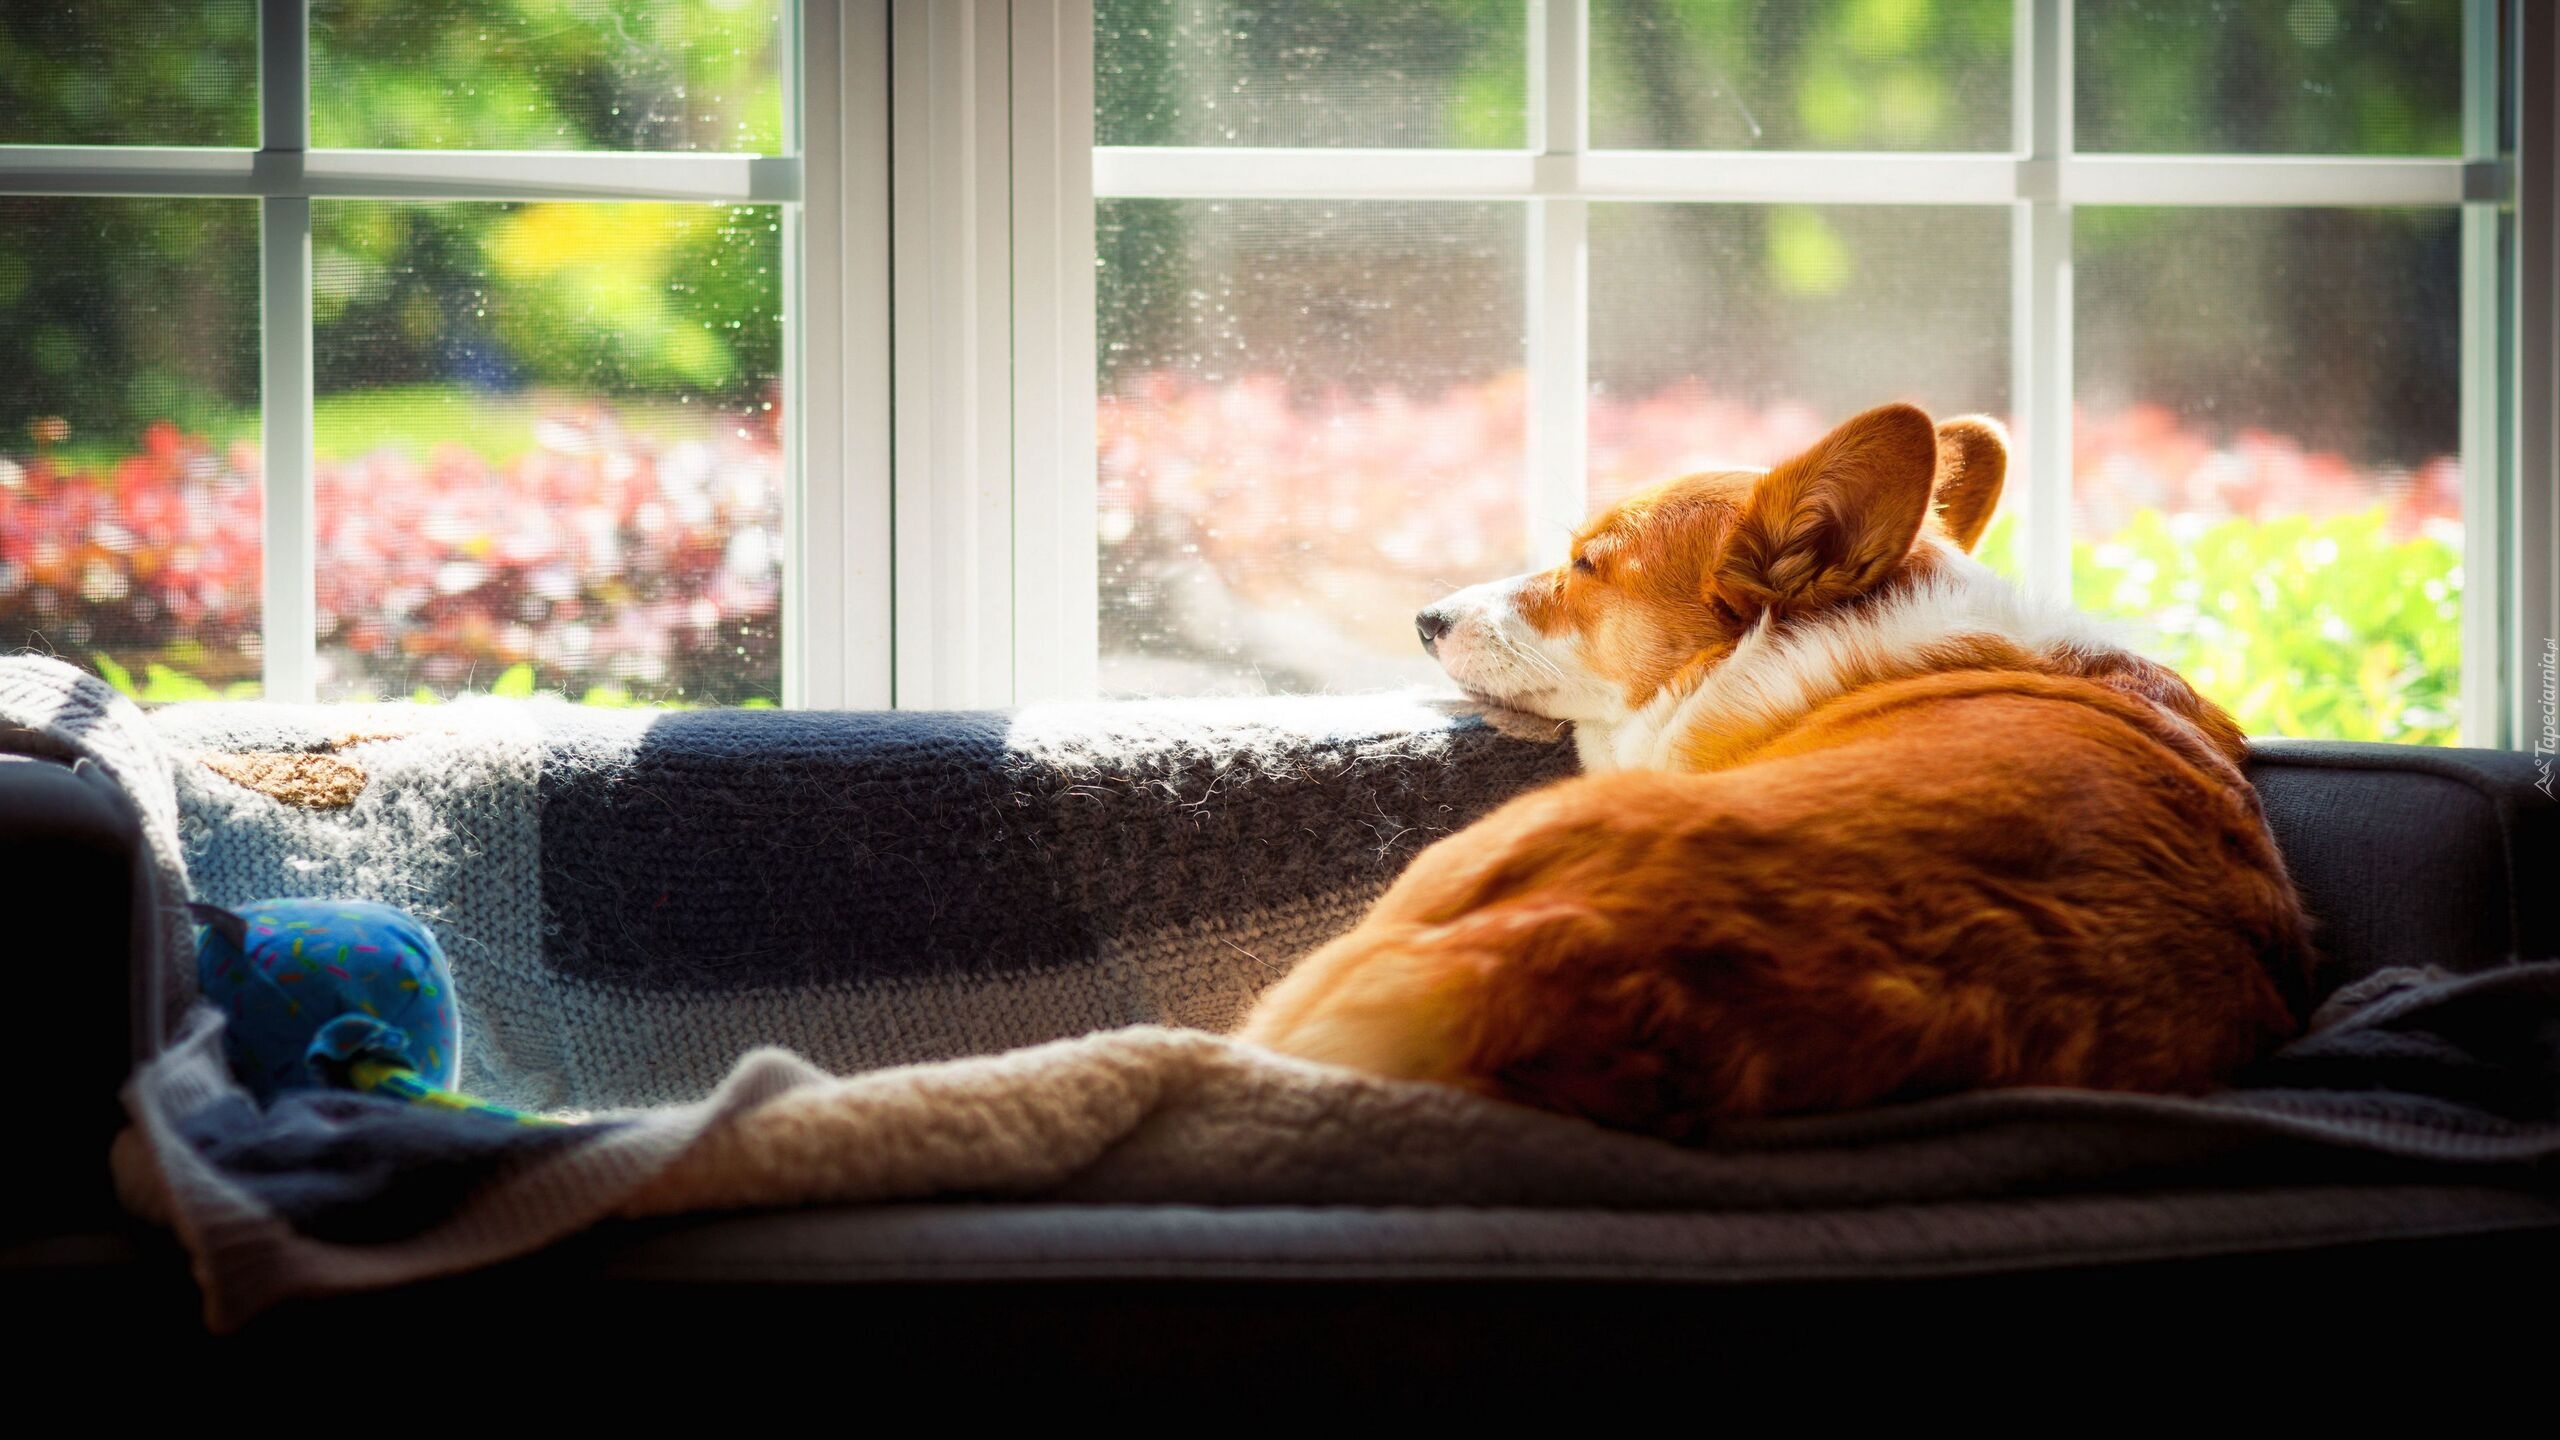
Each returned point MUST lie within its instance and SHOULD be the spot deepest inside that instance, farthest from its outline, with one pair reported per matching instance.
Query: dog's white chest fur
(1778, 676)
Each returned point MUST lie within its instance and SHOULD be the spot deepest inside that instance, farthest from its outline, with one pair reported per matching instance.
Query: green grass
(161, 684)
(414, 419)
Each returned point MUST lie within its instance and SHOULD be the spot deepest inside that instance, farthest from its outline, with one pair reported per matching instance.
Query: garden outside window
(1392, 297)
(971, 352)
(421, 396)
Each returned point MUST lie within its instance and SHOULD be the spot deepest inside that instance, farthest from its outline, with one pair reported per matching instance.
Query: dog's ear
(1833, 522)
(1973, 460)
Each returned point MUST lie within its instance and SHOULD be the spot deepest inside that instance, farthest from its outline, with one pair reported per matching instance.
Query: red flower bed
(1255, 535)
(1259, 469)
(155, 553)
(600, 557)
(607, 555)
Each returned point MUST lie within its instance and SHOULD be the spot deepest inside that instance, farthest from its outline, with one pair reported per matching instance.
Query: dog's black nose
(1431, 625)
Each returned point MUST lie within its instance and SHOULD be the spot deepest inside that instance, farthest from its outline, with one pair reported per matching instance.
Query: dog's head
(1663, 586)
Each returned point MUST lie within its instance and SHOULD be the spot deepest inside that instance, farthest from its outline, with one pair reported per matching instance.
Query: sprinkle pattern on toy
(342, 994)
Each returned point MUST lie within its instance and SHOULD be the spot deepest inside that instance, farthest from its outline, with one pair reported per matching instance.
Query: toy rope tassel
(335, 994)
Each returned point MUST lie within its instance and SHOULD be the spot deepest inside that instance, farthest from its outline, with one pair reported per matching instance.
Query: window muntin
(1693, 302)
(545, 432)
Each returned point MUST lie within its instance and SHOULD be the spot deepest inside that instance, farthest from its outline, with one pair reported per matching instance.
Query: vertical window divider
(1559, 334)
(838, 616)
(289, 606)
(812, 352)
(951, 268)
(1056, 553)
(2040, 354)
(2532, 537)
(2485, 676)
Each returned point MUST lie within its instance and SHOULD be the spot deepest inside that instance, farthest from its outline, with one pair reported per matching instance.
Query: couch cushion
(847, 1245)
(2413, 856)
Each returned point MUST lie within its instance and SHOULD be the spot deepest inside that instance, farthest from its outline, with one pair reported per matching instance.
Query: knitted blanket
(632, 901)
(993, 929)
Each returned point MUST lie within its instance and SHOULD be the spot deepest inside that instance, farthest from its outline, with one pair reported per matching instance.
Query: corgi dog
(1862, 822)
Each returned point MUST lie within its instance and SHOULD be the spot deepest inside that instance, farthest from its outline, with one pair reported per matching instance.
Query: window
(381, 349)
(1390, 296)
(971, 352)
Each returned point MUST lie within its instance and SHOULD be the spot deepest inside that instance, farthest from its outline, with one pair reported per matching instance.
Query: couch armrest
(2410, 855)
(69, 860)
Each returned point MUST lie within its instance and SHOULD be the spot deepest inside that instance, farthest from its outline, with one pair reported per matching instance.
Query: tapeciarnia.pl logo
(2547, 744)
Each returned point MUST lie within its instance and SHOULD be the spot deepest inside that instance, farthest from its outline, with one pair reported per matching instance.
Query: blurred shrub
(635, 301)
(2331, 628)
(621, 566)
(2307, 594)
(547, 75)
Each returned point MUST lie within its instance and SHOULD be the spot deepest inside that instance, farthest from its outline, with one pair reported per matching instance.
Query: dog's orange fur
(1978, 866)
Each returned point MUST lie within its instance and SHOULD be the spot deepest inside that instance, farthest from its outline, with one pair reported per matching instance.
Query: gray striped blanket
(633, 901)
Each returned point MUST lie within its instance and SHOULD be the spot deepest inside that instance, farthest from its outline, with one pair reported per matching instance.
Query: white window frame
(938, 186)
(992, 205)
(835, 628)
(2505, 302)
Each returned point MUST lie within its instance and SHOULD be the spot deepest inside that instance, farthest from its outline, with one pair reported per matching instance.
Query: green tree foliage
(119, 313)
(116, 313)
(129, 72)
(2308, 77)
(645, 300)
(547, 75)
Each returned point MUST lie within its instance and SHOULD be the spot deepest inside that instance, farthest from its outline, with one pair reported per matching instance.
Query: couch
(2406, 856)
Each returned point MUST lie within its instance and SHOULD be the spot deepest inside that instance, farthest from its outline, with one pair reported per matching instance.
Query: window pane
(1738, 334)
(560, 75)
(116, 72)
(129, 439)
(547, 437)
(1800, 74)
(1311, 73)
(2266, 470)
(2311, 77)
(1311, 427)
